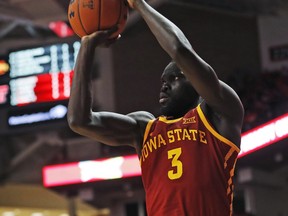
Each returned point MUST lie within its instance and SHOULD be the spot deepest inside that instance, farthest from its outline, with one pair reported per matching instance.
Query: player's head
(177, 95)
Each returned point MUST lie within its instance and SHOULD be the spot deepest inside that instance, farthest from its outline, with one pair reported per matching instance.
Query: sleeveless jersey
(187, 167)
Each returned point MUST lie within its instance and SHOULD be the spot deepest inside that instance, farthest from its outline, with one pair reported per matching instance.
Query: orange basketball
(88, 16)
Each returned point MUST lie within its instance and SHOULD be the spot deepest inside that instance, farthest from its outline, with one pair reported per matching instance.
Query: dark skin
(182, 83)
(177, 95)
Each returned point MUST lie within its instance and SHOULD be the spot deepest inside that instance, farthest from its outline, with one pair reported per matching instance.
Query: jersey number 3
(176, 164)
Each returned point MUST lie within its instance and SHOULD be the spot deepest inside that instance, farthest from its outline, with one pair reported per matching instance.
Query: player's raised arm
(218, 96)
(200, 74)
(105, 127)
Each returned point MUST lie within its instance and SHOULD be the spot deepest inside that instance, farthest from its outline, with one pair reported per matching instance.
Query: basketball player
(188, 154)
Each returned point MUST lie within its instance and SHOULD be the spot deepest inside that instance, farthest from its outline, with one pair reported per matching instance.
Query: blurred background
(47, 170)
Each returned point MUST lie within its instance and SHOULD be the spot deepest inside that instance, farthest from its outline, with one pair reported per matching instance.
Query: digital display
(35, 84)
(42, 74)
(44, 114)
(4, 67)
(48, 59)
(264, 135)
(40, 88)
(91, 171)
(4, 89)
(4, 81)
(279, 53)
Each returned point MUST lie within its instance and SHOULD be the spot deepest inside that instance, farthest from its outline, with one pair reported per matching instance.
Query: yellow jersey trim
(147, 129)
(169, 121)
(215, 133)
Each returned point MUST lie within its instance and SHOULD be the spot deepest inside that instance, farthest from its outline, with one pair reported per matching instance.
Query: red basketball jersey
(187, 167)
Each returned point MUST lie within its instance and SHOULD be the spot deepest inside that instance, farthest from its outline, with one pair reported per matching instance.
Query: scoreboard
(35, 83)
(41, 74)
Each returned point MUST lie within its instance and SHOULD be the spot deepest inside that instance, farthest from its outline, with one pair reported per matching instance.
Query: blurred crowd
(264, 96)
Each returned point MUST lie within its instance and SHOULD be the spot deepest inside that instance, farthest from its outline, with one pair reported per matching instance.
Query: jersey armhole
(213, 131)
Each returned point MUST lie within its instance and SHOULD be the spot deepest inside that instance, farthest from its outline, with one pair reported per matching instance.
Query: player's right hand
(101, 38)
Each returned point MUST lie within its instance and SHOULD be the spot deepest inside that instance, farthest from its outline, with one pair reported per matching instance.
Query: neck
(180, 114)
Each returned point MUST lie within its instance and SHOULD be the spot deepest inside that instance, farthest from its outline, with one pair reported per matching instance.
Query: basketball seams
(79, 16)
(73, 17)
(108, 12)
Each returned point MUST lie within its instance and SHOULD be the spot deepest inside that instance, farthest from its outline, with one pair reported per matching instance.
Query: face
(177, 95)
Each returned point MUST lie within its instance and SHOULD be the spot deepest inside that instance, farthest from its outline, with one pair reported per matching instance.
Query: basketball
(88, 16)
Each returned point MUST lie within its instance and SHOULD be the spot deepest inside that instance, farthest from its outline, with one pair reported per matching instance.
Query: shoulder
(226, 105)
(142, 117)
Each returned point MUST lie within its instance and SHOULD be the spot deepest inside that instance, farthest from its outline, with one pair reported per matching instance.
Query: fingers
(110, 41)
(112, 30)
(103, 38)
